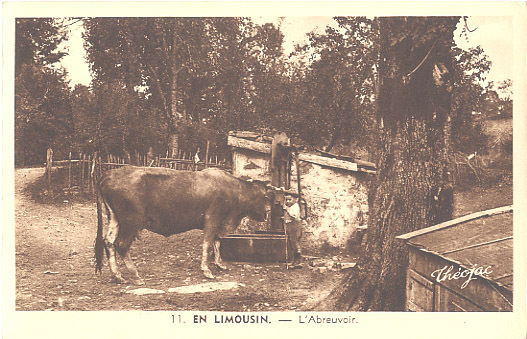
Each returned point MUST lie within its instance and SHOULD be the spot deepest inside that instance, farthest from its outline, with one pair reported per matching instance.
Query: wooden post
(99, 169)
(81, 157)
(92, 170)
(88, 158)
(69, 171)
(280, 158)
(207, 154)
(179, 155)
(49, 164)
(149, 156)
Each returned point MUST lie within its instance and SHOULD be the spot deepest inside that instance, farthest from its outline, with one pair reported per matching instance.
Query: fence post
(207, 154)
(49, 164)
(88, 159)
(179, 165)
(99, 166)
(81, 157)
(92, 171)
(149, 156)
(69, 171)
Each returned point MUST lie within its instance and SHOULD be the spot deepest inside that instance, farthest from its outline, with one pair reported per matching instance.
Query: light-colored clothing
(293, 228)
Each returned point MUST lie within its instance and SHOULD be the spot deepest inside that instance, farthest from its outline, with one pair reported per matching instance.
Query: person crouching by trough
(293, 229)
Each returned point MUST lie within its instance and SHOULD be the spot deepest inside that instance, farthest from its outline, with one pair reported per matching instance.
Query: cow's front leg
(204, 259)
(217, 257)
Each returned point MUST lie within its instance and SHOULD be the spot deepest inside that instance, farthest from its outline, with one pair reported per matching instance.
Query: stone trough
(260, 246)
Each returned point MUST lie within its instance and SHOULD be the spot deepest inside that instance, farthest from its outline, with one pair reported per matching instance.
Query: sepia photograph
(264, 168)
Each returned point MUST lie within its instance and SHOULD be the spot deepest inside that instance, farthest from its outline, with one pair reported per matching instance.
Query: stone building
(335, 189)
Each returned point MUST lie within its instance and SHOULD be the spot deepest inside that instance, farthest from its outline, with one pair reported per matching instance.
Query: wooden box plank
(480, 291)
(420, 292)
(497, 256)
(467, 234)
(448, 301)
(442, 252)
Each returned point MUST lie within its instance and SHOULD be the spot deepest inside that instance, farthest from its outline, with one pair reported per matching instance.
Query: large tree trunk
(413, 180)
(173, 133)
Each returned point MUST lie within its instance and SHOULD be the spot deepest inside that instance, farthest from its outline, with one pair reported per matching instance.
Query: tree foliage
(470, 71)
(42, 98)
(201, 74)
(198, 78)
(37, 41)
(338, 83)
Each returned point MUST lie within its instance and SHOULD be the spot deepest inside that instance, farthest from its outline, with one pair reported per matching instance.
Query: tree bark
(173, 137)
(413, 166)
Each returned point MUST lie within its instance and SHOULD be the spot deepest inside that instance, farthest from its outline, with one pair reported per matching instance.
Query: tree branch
(73, 23)
(466, 25)
(154, 76)
(422, 61)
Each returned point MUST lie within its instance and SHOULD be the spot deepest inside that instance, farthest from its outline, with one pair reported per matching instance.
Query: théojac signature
(446, 273)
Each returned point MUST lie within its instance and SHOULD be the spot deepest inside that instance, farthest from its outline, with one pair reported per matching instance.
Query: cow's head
(260, 200)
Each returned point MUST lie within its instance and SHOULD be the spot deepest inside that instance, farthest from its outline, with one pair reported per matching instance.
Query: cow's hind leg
(111, 236)
(131, 267)
(217, 257)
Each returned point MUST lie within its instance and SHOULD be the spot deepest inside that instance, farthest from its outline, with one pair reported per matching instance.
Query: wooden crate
(481, 239)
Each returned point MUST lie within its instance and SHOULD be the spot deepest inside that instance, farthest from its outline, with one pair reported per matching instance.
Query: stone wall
(337, 204)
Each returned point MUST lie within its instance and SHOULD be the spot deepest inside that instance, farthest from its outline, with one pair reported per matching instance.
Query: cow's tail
(99, 241)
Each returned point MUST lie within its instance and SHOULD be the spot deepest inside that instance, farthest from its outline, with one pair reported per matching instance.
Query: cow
(168, 202)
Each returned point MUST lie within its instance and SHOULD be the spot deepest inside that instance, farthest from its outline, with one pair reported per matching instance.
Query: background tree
(37, 41)
(415, 69)
(339, 81)
(42, 98)
(203, 75)
(470, 70)
(505, 107)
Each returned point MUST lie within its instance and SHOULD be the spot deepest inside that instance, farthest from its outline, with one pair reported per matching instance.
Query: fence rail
(81, 168)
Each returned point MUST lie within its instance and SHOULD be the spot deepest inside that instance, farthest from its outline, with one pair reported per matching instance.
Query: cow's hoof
(221, 266)
(139, 282)
(208, 274)
(119, 280)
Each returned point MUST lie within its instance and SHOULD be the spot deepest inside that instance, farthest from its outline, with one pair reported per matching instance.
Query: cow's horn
(275, 188)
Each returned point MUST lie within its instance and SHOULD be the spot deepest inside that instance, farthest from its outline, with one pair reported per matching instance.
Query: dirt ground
(54, 263)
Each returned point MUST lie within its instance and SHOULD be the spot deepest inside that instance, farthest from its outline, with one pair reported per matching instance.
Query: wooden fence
(81, 167)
